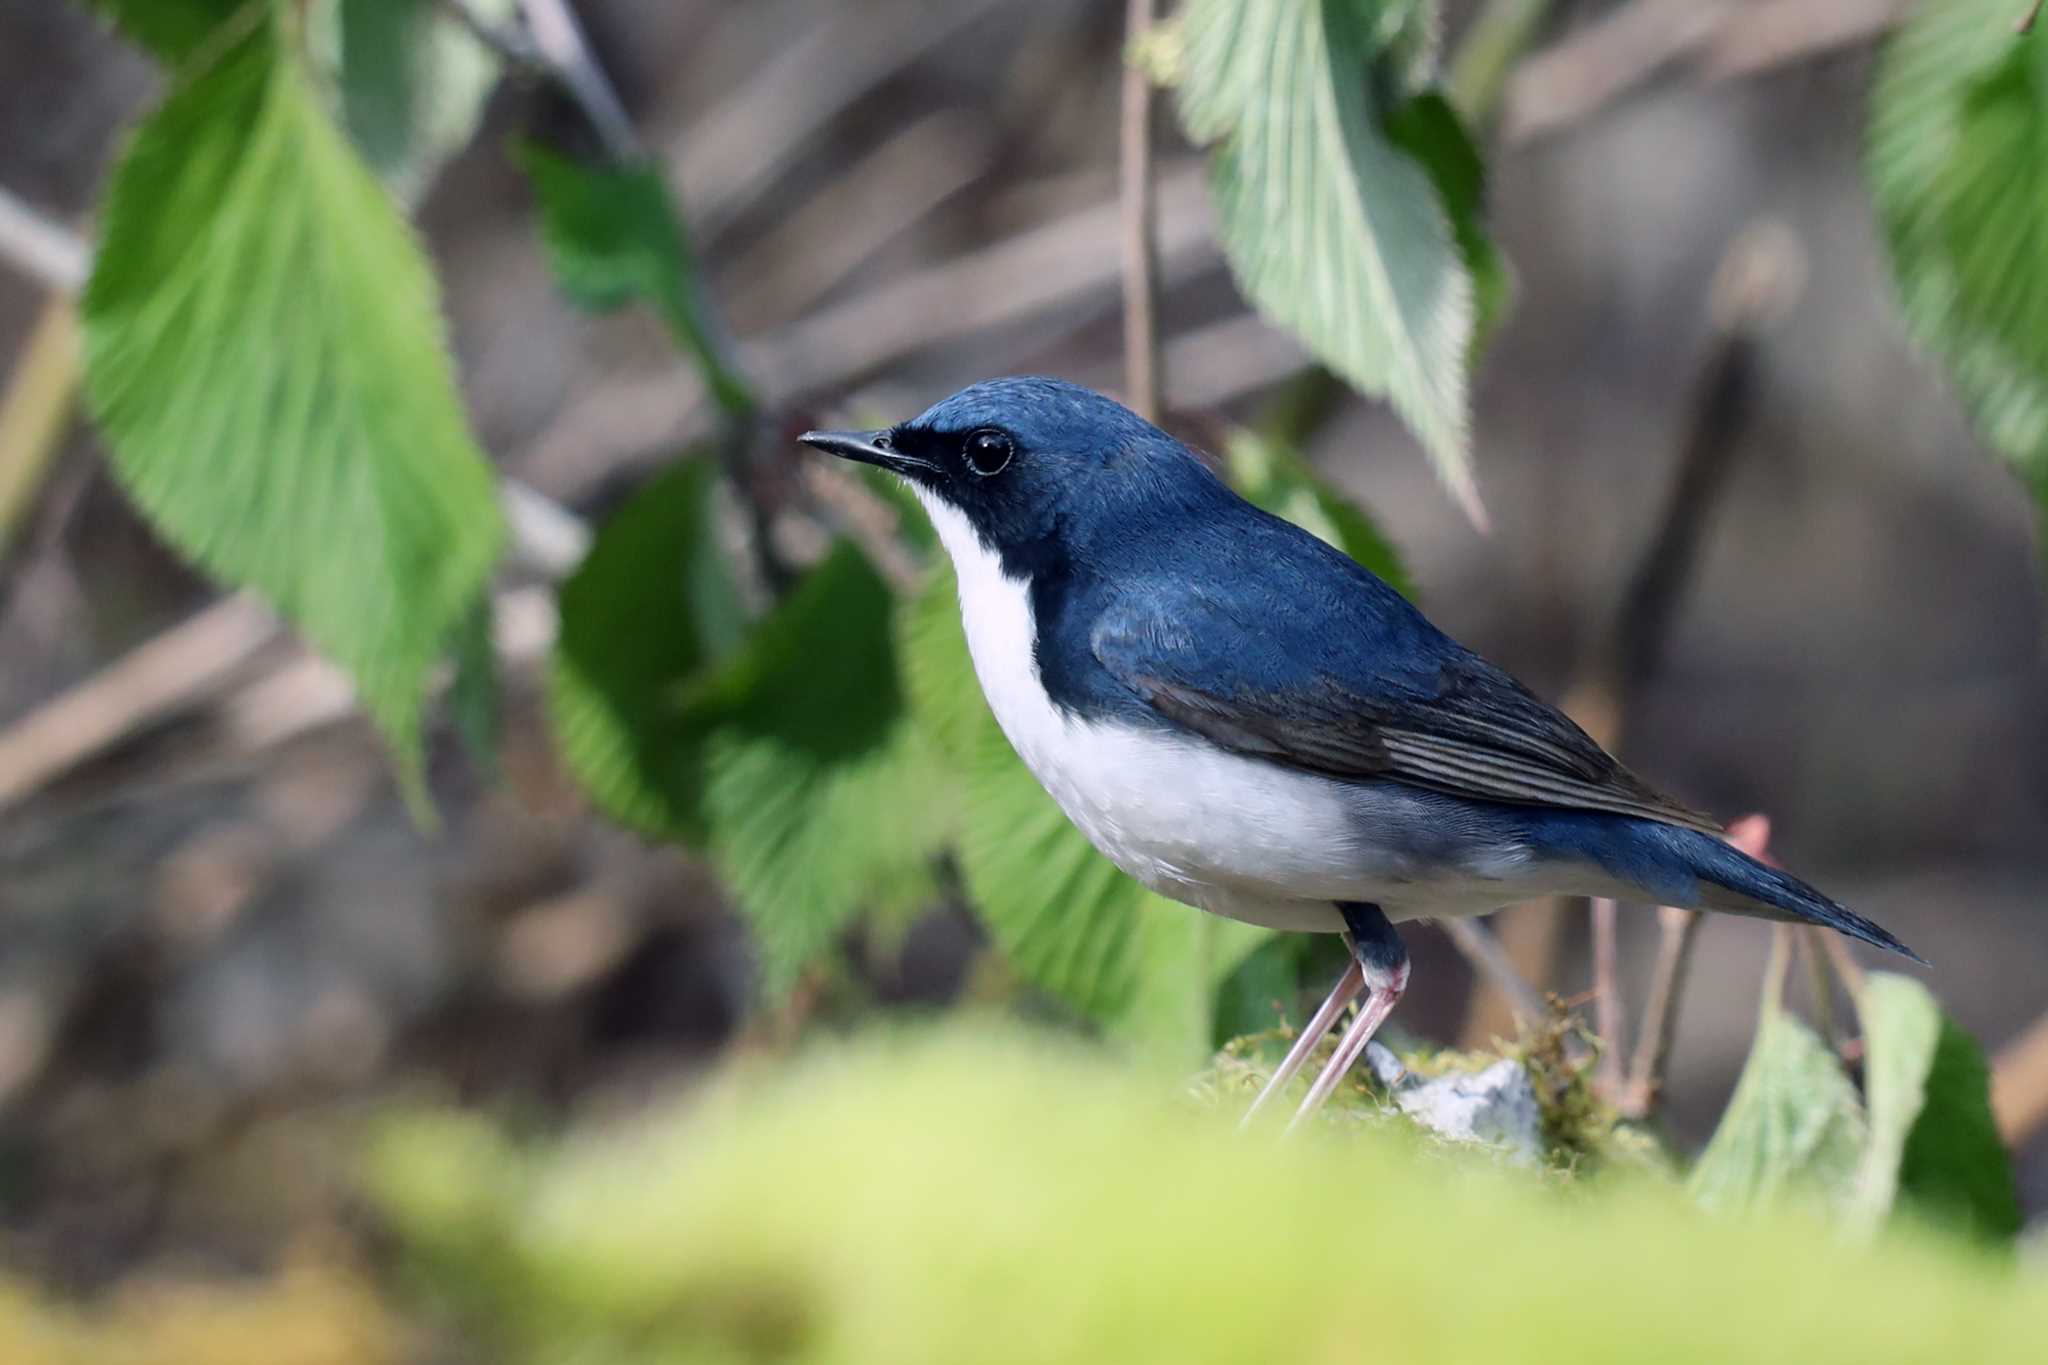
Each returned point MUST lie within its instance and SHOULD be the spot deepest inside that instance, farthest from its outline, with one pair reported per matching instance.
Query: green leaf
(1934, 1146)
(412, 83)
(1275, 478)
(264, 354)
(1071, 922)
(821, 798)
(173, 29)
(614, 238)
(1428, 128)
(1333, 229)
(1958, 166)
(1794, 1128)
(652, 606)
(474, 700)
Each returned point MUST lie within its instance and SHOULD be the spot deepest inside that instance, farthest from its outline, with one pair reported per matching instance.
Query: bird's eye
(988, 452)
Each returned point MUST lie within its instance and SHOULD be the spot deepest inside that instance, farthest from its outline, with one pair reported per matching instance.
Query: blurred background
(223, 940)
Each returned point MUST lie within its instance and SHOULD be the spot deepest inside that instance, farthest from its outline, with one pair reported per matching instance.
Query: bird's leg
(1383, 963)
(1345, 991)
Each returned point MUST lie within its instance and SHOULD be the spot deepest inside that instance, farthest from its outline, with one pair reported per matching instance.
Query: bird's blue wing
(1329, 670)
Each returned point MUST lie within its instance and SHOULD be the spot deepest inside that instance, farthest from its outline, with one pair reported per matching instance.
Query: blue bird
(1246, 720)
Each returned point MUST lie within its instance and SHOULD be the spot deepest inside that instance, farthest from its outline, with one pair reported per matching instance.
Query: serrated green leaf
(1277, 479)
(614, 237)
(1958, 166)
(821, 796)
(1332, 229)
(652, 606)
(265, 355)
(1934, 1145)
(1428, 128)
(1794, 1128)
(172, 29)
(412, 83)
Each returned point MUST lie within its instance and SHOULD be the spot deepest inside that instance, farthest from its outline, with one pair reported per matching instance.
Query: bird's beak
(868, 447)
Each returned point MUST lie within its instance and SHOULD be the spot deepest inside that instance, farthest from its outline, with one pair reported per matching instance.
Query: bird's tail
(1733, 881)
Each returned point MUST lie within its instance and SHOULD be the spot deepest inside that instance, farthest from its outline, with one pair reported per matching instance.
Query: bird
(1246, 720)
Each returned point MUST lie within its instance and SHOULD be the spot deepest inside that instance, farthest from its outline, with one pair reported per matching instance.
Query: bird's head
(1022, 463)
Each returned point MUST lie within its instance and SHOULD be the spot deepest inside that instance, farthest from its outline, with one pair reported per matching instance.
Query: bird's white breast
(1244, 838)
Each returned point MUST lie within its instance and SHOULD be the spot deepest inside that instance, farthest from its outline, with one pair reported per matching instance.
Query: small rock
(1496, 1106)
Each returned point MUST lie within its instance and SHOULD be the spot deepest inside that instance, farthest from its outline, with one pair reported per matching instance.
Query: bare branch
(2025, 23)
(1645, 1088)
(1609, 1011)
(45, 250)
(1486, 955)
(1580, 75)
(1142, 379)
(559, 40)
(2019, 1084)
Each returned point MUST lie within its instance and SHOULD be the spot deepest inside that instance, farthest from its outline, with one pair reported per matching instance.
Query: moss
(996, 1197)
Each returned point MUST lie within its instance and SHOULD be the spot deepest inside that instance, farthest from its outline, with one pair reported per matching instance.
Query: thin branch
(1483, 950)
(35, 413)
(2019, 1084)
(1580, 75)
(1678, 928)
(1639, 1095)
(2025, 23)
(1610, 1013)
(1142, 380)
(40, 248)
(510, 45)
(1495, 39)
(154, 680)
(559, 40)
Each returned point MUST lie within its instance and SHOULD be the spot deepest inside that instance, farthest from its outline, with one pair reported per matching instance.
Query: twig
(510, 45)
(1639, 1095)
(1610, 1014)
(1580, 75)
(2025, 24)
(1061, 264)
(784, 271)
(1497, 36)
(1678, 928)
(1142, 379)
(2019, 1084)
(35, 412)
(148, 683)
(40, 248)
(1484, 951)
(558, 38)
(728, 157)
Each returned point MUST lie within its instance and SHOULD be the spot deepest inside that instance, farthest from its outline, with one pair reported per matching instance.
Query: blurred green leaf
(1934, 1146)
(821, 797)
(650, 607)
(1958, 166)
(173, 29)
(474, 701)
(1332, 228)
(955, 1196)
(265, 356)
(412, 82)
(1277, 479)
(614, 238)
(1794, 1127)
